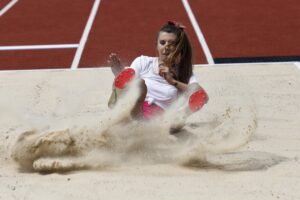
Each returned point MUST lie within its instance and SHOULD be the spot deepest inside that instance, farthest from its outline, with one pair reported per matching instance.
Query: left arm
(182, 87)
(164, 71)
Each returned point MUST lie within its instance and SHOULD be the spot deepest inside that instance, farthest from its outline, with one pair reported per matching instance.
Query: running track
(81, 33)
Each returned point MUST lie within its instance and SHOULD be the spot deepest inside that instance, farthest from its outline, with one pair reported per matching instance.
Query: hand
(165, 72)
(115, 63)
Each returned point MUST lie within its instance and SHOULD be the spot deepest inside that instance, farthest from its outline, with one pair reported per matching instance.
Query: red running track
(232, 29)
(129, 28)
(3, 3)
(42, 22)
(236, 28)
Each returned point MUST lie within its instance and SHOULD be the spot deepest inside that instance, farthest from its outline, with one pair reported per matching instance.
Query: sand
(59, 140)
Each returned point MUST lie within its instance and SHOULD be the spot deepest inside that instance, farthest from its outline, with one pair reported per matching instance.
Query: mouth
(166, 53)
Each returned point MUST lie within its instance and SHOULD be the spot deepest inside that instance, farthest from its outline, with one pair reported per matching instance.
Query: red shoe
(124, 78)
(197, 100)
(195, 103)
(121, 81)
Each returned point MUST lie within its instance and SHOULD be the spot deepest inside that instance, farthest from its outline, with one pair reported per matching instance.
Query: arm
(188, 89)
(165, 72)
(115, 64)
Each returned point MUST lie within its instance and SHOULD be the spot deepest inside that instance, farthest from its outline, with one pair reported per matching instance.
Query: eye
(162, 42)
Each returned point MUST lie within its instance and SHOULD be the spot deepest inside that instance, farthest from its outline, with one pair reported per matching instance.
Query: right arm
(115, 64)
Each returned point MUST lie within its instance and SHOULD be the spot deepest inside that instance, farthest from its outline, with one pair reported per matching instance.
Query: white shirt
(159, 91)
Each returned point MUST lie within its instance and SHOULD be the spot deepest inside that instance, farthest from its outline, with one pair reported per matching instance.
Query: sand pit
(60, 140)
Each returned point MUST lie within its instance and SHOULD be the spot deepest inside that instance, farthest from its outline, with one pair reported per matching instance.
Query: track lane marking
(33, 47)
(199, 33)
(85, 35)
(7, 7)
(297, 64)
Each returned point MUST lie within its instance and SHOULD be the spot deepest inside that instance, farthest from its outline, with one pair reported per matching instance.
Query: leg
(119, 85)
(195, 97)
(137, 111)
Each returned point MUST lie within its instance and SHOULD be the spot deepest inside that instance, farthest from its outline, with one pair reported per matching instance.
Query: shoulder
(145, 59)
(143, 62)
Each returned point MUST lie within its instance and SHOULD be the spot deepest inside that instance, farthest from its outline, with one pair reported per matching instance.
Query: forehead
(166, 36)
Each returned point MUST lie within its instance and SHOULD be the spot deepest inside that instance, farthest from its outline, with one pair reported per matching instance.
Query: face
(164, 44)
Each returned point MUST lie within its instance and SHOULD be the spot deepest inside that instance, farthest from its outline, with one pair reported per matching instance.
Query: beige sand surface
(60, 141)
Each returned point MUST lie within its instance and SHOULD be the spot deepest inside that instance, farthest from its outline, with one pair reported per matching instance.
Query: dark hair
(182, 48)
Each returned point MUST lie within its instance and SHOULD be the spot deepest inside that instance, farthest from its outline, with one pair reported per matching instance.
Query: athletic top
(159, 91)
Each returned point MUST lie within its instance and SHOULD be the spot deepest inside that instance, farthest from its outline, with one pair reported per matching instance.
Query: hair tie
(178, 25)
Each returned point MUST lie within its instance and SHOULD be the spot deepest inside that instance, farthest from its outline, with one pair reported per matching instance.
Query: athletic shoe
(120, 83)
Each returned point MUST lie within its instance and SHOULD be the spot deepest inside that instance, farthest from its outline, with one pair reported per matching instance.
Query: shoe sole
(122, 80)
(197, 100)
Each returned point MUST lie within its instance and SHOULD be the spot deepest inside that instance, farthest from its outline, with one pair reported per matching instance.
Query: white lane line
(297, 64)
(85, 35)
(32, 47)
(199, 33)
(7, 7)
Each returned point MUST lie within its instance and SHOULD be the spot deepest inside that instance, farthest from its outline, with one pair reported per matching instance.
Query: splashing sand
(123, 141)
(213, 155)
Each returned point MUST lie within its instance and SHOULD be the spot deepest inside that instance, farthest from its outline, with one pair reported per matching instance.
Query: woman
(163, 77)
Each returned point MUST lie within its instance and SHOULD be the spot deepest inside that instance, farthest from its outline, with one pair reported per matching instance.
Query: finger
(113, 56)
(116, 59)
(109, 61)
(164, 70)
(160, 73)
(162, 67)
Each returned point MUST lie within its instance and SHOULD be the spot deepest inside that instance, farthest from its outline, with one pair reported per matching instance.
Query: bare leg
(137, 111)
(120, 85)
(191, 93)
(195, 98)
